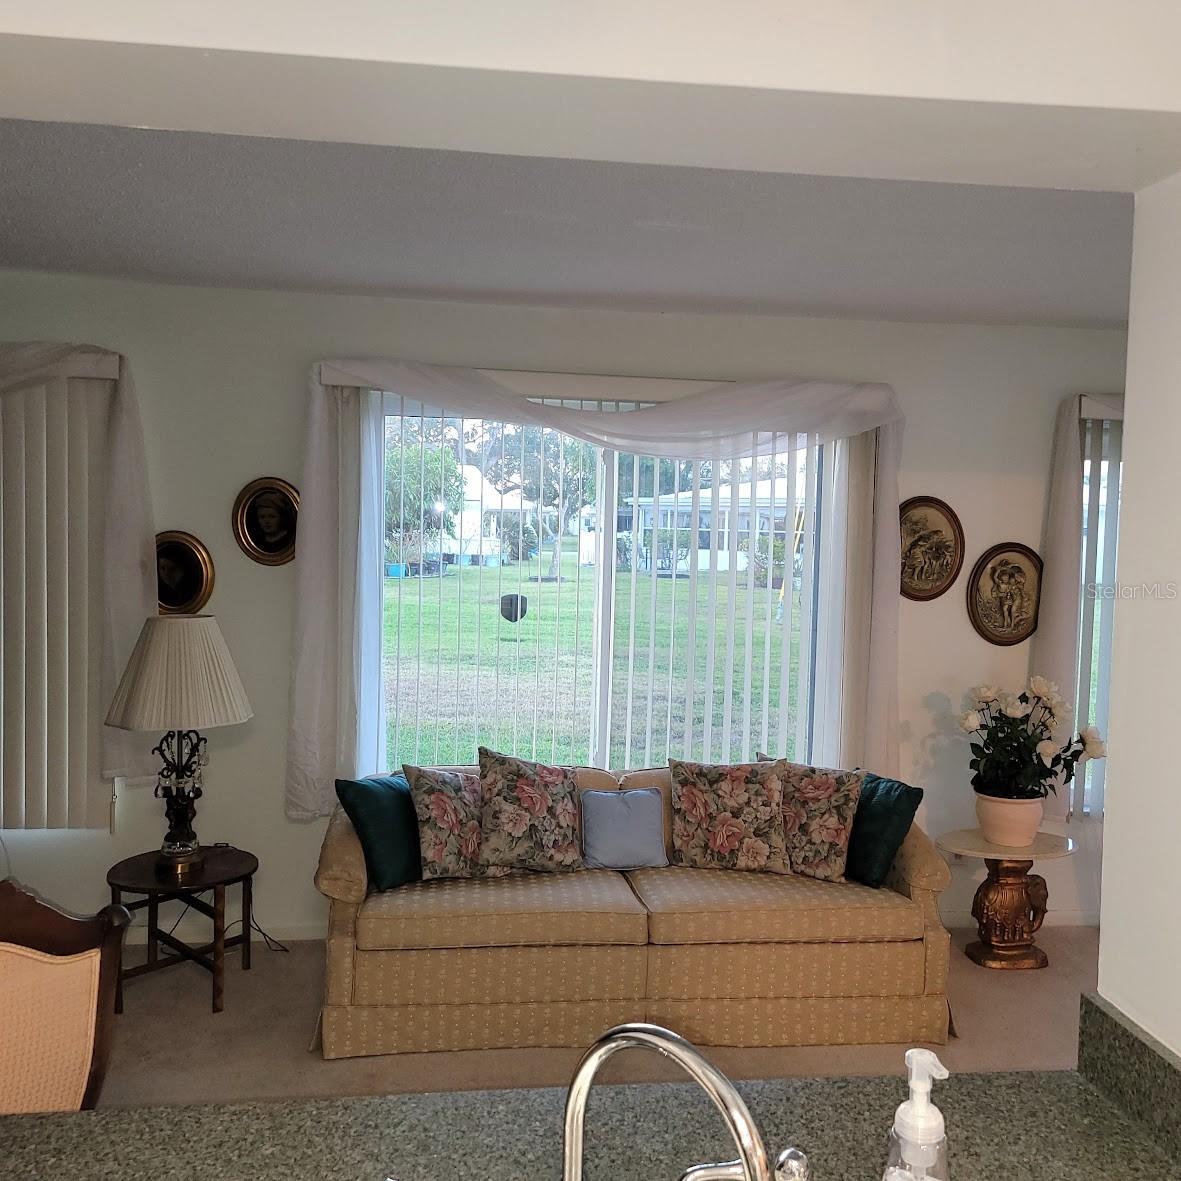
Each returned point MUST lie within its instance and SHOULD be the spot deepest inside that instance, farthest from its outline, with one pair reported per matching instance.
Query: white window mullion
(765, 711)
(634, 549)
(807, 604)
(1094, 455)
(752, 545)
(1095, 781)
(691, 621)
(653, 581)
(731, 604)
(457, 736)
(604, 658)
(711, 611)
(786, 694)
(672, 608)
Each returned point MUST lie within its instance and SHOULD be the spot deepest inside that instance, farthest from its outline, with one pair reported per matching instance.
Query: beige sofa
(725, 958)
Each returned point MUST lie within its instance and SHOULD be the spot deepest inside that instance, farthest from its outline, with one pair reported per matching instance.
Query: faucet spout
(752, 1165)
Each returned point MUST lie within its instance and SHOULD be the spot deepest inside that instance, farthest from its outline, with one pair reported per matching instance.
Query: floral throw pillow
(818, 810)
(531, 815)
(728, 817)
(448, 805)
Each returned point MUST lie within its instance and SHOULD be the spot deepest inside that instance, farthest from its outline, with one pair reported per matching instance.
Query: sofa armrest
(341, 874)
(919, 863)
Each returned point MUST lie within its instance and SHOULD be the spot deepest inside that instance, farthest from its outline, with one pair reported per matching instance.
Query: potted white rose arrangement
(1016, 761)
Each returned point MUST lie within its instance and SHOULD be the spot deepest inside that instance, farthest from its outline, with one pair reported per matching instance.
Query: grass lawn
(458, 675)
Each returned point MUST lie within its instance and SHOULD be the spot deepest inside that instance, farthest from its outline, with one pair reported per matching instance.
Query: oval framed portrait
(1004, 593)
(184, 573)
(265, 516)
(932, 547)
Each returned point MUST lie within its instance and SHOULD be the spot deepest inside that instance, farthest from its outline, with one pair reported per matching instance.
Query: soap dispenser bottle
(918, 1139)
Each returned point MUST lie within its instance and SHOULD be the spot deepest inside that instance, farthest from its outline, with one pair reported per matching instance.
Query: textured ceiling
(231, 211)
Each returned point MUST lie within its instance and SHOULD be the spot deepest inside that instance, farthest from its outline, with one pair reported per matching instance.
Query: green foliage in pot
(1014, 753)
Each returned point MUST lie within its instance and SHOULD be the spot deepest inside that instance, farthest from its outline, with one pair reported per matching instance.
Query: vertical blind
(50, 614)
(1102, 442)
(578, 604)
(77, 577)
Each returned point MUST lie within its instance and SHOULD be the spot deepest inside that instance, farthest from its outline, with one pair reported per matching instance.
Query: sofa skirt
(350, 1031)
(806, 1021)
(355, 1030)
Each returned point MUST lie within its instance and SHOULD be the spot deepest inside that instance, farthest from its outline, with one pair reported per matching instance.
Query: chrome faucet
(752, 1164)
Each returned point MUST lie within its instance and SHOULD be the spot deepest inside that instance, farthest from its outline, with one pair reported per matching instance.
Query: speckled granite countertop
(1035, 1126)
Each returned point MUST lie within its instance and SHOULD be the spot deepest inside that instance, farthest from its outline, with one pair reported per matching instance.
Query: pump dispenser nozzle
(918, 1119)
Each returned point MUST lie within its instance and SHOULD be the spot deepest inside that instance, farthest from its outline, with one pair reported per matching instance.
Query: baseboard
(1131, 1067)
(200, 931)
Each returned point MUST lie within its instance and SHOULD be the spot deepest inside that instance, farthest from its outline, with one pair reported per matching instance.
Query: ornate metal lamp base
(1009, 908)
(179, 867)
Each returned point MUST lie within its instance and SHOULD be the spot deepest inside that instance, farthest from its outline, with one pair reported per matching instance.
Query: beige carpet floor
(170, 1048)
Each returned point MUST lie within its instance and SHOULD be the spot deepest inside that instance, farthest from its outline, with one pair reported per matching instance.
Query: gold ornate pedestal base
(1009, 908)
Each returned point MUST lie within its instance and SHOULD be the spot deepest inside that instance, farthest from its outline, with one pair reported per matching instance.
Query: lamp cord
(272, 943)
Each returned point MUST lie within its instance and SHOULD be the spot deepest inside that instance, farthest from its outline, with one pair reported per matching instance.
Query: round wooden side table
(221, 866)
(1010, 904)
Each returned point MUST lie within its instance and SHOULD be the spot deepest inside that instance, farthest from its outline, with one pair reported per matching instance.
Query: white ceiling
(290, 214)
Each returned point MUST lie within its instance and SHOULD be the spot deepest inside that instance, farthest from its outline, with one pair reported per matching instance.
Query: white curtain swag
(336, 712)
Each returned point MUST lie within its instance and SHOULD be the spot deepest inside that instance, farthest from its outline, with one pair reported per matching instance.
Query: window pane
(709, 607)
(489, 590)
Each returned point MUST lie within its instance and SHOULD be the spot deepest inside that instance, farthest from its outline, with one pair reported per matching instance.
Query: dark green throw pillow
(382, 811)
(884, 815)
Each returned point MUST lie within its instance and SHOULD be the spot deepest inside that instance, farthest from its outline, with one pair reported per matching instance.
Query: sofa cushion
(588, 907)
(704, 971)
(729, 906)
(502, 975)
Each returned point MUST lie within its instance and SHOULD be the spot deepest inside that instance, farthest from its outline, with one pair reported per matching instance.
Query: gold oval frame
(208, 574)
(238, 520)
(983, 629)
(950, 515)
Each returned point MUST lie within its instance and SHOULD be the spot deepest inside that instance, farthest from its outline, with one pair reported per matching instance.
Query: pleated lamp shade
(180, 675)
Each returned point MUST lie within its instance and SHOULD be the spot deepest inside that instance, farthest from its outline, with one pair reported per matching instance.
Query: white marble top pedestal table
(1010, 904)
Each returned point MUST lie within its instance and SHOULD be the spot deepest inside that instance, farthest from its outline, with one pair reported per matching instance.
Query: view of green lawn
(458, 675)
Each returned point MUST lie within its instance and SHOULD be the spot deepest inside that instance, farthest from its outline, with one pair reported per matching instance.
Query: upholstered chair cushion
(531, 815)
(382, 811)
(47, 1013)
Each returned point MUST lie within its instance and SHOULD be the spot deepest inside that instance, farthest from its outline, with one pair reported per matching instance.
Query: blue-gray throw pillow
(623, 829)
(883, 818)
(382, 811)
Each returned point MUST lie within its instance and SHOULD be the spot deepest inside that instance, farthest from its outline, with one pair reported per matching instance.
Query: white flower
(1046, 751)
(984, 694)
(1040, 687)
(1093, 745)
(970, 721)
(1014, 707)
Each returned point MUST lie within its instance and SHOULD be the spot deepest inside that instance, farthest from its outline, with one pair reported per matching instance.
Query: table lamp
(180, 679)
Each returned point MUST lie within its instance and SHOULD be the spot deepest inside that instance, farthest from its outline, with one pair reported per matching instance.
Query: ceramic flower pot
(1009, 822)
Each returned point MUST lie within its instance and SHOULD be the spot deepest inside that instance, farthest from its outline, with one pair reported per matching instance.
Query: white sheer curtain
(77, 578)
(1055, 648)
(336, 725)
